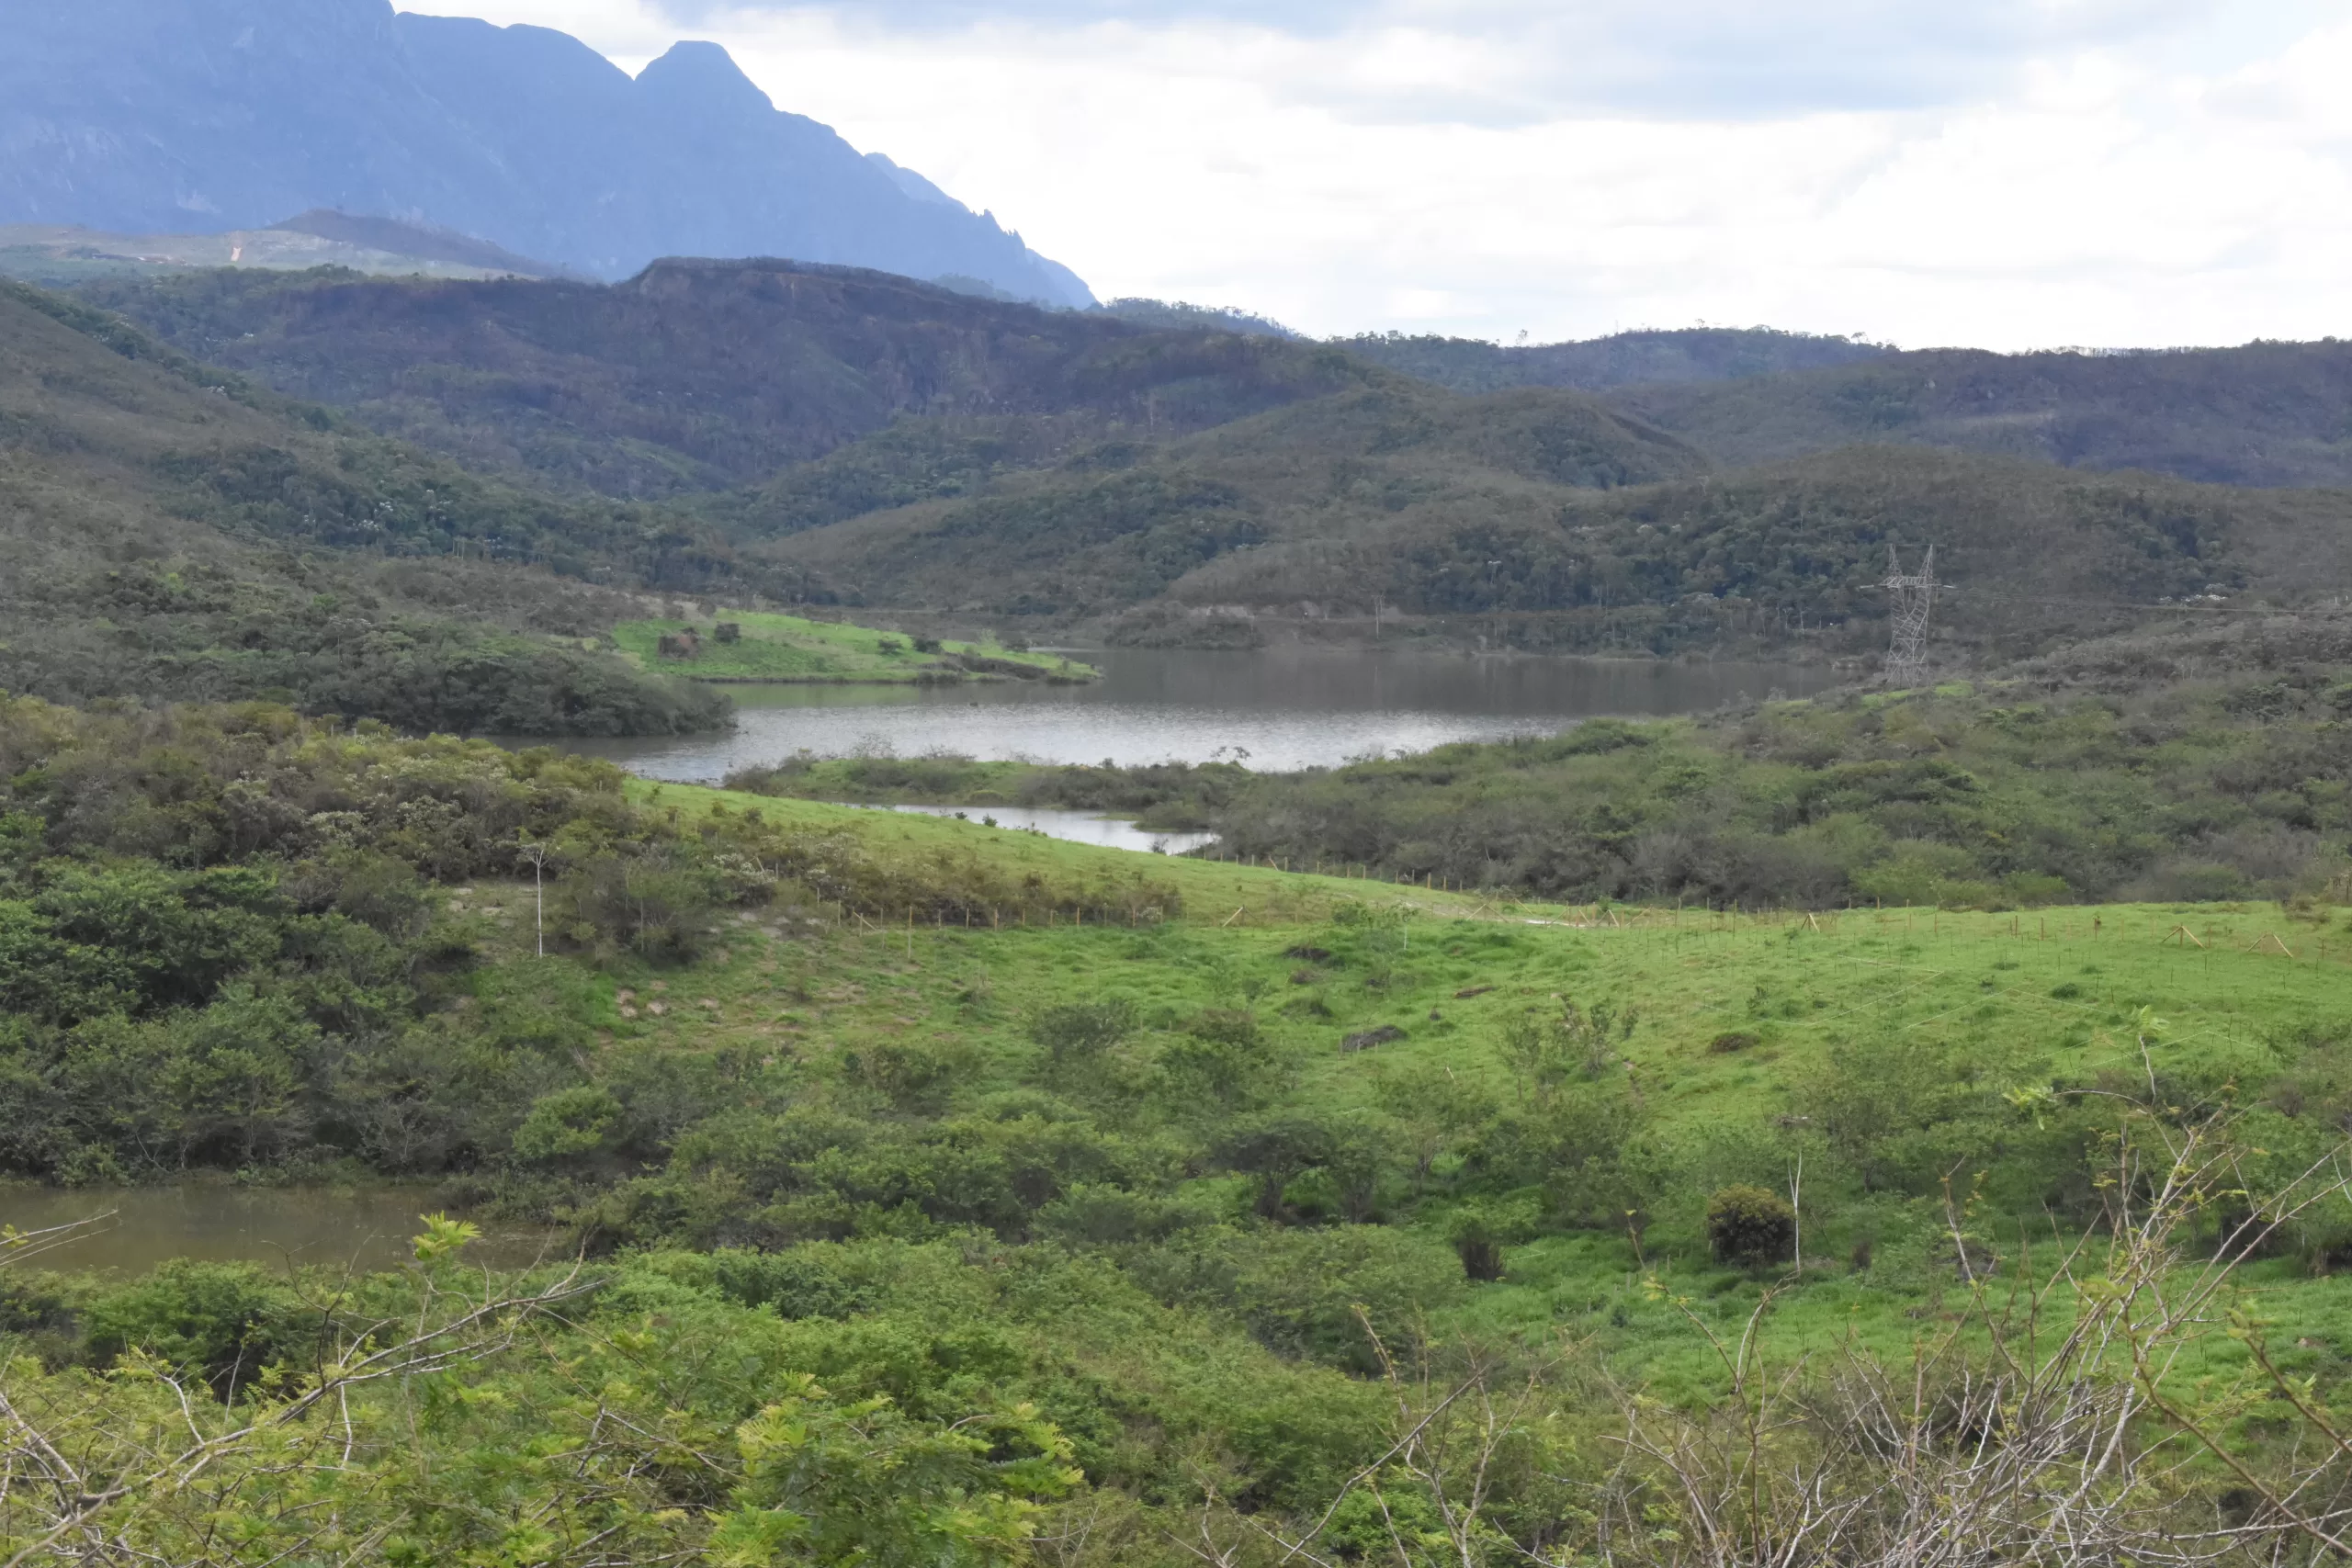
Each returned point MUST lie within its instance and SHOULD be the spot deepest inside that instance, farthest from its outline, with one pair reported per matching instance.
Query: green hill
(2267, 414)
(168, 531)
(823, 434)
(1119, 524)
(1523, 519)
(699, 376)
(751, 646)
(2031, 554)
(1699, 354)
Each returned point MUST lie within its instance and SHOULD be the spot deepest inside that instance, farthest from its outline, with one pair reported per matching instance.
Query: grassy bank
(1169, 797)
(757, 645)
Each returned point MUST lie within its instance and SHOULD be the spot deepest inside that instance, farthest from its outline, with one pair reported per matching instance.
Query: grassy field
(789, 648)
(1739, 1030)
(1184, 1155)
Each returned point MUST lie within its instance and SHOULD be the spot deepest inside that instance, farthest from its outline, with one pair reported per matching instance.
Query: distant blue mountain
(173, 115)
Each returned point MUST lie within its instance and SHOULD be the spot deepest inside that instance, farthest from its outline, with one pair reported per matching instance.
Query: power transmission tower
(1909, 601)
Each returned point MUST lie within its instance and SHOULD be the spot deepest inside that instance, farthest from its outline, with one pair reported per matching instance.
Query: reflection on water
(1078, 827)
(1275, 709)
(364, 1228)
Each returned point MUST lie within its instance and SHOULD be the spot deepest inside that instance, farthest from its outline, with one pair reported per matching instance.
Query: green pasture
(1742, 1028)
(790, 649)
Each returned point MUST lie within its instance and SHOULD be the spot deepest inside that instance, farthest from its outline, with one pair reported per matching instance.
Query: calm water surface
(1078, 827)
(1275, 709)
(301, 1227)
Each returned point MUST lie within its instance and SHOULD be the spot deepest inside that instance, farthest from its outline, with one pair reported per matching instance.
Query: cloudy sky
(2001, 173)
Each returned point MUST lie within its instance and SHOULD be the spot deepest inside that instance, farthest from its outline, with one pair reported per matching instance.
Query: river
(1275, 709)
(133, 1229)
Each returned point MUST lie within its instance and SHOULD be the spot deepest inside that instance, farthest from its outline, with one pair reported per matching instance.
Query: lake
(1274, 710)
(296, 1227)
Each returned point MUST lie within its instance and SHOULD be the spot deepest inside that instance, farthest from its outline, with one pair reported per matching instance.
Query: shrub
(221, 1321)
(1479, 1232)
(1083, 1029)
(1099, 1214)
(567, 1126)
(1732, 1040)
(1750, 1225)
(1226, 1026)
(929, 645)
(1306, 1294)
(662, 905)
(793, 1284)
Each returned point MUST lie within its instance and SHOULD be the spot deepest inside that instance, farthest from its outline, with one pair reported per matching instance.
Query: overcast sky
(2000, 172)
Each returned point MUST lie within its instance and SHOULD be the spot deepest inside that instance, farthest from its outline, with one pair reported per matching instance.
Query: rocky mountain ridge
(215, 114)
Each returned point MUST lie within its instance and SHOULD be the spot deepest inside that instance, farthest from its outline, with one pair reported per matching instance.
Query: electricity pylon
(1909, 601)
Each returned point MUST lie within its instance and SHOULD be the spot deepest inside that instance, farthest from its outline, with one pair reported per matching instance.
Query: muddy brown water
(1275, 709)
(365, 1228)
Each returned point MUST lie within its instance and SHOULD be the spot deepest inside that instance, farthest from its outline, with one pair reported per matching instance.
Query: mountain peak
(704, 75)
(129, 116)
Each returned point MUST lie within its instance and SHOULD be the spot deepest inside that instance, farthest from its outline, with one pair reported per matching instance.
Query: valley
(1075, 477)
(1513, 1071)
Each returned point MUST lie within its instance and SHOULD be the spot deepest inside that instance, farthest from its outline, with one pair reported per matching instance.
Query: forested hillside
(1123, 523)
(699, 376)
(1670, 356)
(868, 440)
(2267, 414)
(1540, 520)
(172, 532)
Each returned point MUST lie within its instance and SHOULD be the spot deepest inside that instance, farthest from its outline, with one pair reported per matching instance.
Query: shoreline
(885, 680)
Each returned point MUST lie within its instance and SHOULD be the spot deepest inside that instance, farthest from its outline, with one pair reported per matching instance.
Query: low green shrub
(1750, 1225)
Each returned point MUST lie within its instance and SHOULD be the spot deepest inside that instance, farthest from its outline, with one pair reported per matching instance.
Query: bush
(1479, 1232)
(660, 905)
(1750, 1225)
(1306, 1294)
(1083, 1031)
(221, 1321)
(793, 1284)
(567, 1126)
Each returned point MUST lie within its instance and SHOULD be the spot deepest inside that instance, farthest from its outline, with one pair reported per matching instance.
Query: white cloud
(2039, 172)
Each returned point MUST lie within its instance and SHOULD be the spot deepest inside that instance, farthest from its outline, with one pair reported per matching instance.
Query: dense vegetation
(1537, 520)
(700, 376)
(171, 533)
(1181, 315)
(2266, 414)
(2199, 764)
(224, 947)
(1987, 799)
(1669, 355)
(994, 1235)
(1299, 503)
(1180, 478)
